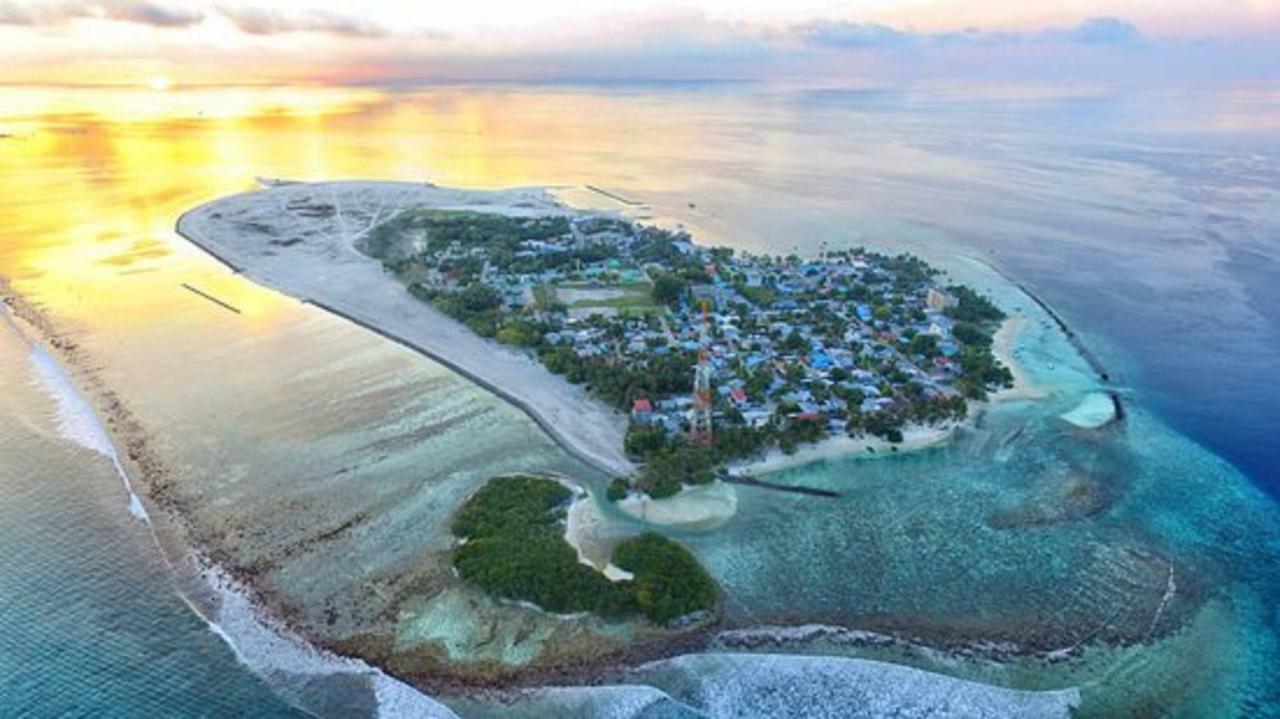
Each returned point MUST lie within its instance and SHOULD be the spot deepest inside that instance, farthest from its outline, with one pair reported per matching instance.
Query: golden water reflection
(92, 181)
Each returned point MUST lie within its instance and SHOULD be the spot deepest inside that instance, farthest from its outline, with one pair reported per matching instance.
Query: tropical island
(716, 355)
(651, 357)
(473, 582)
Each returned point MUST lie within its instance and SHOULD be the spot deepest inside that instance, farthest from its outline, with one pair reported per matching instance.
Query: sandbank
(701, 507)
(1094, 411)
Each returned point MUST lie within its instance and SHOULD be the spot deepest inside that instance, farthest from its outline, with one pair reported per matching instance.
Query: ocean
(1150, 221)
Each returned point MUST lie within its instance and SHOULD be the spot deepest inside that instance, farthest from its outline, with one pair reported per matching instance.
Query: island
(656, 359)
(483, 558)
(513, 546)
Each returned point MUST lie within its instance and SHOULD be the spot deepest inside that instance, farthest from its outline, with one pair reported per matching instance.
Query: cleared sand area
(300, 239)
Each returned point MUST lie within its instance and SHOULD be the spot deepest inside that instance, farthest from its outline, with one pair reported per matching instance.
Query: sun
(160, 83)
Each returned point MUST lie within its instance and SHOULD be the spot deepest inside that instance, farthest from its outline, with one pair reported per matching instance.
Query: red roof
(642, 405)
(738, 394)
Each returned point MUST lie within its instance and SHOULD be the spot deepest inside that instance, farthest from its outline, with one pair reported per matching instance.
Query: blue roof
(820, 361)
(864, 312)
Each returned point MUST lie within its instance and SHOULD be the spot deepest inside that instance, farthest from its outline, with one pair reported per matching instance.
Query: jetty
(750, 481)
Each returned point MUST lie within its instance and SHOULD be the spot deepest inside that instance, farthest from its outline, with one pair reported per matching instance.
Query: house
(820, 361)
(875, 404)
(642, 410)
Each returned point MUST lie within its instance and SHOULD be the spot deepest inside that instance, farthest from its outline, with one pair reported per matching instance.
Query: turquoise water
(91, 622)
(329, 460)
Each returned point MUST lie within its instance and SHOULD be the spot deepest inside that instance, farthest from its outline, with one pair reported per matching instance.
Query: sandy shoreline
(299, 239)
(914, 439)
(1004, 349)
(702, 507)
(1096, 410)
(584, 531)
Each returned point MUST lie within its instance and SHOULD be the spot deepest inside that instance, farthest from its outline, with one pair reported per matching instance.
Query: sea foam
(77, 421)
(272, 651)
(265, 647)
(777, 685)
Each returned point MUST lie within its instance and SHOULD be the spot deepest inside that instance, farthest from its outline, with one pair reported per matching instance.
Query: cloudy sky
(375, 41)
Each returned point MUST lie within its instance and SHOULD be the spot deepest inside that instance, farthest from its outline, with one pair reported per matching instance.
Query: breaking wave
(778, 685)
(319, 681)
(77, 421)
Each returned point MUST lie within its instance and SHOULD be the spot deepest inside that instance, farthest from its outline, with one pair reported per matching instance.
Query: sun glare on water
(160, 83)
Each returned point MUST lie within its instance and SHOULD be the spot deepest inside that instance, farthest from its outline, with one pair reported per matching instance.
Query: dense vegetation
(669, 583)
(660, 375)
(976, 317)
(495, 237)
(670, 462)
(515, 549)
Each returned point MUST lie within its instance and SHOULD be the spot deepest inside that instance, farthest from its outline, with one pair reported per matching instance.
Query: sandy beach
(1004, 348)
(913, 439)
(699, 507)
(586, 531)
(299, 239)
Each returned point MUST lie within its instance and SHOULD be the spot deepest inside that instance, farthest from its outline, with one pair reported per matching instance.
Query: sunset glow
(287, 41)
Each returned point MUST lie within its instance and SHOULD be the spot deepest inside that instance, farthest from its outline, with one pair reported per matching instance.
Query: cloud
(264, 21)
(154, 14)
(50, 14)
(846, 35)
(1100, 31)
(842, 35)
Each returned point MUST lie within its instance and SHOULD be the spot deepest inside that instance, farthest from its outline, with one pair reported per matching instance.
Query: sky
(164, 43)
